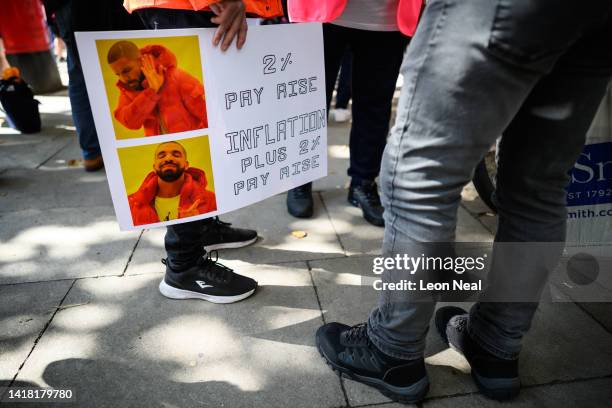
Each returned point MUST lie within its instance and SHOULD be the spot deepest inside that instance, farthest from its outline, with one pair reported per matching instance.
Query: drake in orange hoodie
(154, 93)
(172, 190)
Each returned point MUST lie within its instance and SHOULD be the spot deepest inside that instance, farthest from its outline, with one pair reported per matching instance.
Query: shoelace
(216, 222)
(357, 333)
(461, 324)
(371, 194)
(212, 269)
(215, 271)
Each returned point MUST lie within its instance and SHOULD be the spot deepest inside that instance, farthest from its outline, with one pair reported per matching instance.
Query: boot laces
(461, 324)
(357, 334)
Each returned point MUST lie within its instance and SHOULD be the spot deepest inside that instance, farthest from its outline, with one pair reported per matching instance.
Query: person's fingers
(220, 19)
(224, 24)
(215, 8)
(230, 12)
(231, 33)
(242, 34)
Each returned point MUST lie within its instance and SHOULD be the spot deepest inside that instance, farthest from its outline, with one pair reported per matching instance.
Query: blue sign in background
(591, 177)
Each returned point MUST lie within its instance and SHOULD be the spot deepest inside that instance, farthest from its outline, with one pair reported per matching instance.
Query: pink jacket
(325, 11)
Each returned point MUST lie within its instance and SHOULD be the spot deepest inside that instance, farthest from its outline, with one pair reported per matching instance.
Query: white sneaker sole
(174, 293)
(230, 245)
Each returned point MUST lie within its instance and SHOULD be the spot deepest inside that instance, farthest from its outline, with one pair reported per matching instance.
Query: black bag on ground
(19, 105)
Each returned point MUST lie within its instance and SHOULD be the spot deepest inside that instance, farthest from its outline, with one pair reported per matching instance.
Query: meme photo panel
(154, 86)
(168, 180)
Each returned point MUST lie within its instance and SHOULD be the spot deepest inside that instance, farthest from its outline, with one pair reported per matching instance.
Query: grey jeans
(533, 72)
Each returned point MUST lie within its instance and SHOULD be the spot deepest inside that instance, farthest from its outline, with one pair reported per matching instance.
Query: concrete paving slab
(472, 202)
(559, 329)
(360, 237)
(356, 234)
(591, 393)
(52, 189)
(470, 230)
(29, 151)
(602, 312)
(126, 345)
(24, 312)
(555, 348)
(19, 151)
(68, 158)
(274, 226)
(62, 243)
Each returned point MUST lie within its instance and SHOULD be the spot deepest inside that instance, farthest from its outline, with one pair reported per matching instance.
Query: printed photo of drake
(154, 86)
(169, 180)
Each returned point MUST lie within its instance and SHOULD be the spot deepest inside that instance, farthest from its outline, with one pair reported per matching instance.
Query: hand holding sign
(231, 17)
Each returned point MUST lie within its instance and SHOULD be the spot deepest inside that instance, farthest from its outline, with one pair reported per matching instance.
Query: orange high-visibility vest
(262, 8)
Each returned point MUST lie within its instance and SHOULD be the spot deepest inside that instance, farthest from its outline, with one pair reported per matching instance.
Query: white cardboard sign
(223, 130)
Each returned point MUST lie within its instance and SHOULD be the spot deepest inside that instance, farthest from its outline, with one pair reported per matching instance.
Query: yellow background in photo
(136, 162)
(187, 52)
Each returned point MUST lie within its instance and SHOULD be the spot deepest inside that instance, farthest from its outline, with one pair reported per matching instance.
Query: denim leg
(77, 91)
(536, 152)
(469, 68)
(81, 110)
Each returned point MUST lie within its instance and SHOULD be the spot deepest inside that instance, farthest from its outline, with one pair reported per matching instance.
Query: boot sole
(372, 221)
(302, 215)
(174, 293)
(406, 395)
(500, 389)
(230, 245)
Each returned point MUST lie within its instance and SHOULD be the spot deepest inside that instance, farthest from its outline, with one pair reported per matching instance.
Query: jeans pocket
(527, 31)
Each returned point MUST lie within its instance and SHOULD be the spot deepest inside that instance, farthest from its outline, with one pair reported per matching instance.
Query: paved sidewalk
(79, 306)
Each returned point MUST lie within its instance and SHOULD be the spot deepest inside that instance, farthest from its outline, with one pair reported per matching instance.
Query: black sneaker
(206, 280)
(220, 235)
(299, 201)
(496, 378)
(365, 196)
(348, 351)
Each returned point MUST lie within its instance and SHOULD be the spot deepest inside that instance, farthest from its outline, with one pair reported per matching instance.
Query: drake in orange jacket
(142, 202)
(177, 106)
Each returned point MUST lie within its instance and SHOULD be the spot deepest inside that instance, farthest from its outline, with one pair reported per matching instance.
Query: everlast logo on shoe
(203, 284)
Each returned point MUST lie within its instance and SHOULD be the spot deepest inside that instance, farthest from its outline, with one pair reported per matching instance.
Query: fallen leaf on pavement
(299, 234)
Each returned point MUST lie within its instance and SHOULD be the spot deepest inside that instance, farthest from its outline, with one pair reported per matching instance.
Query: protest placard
(188, 131)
